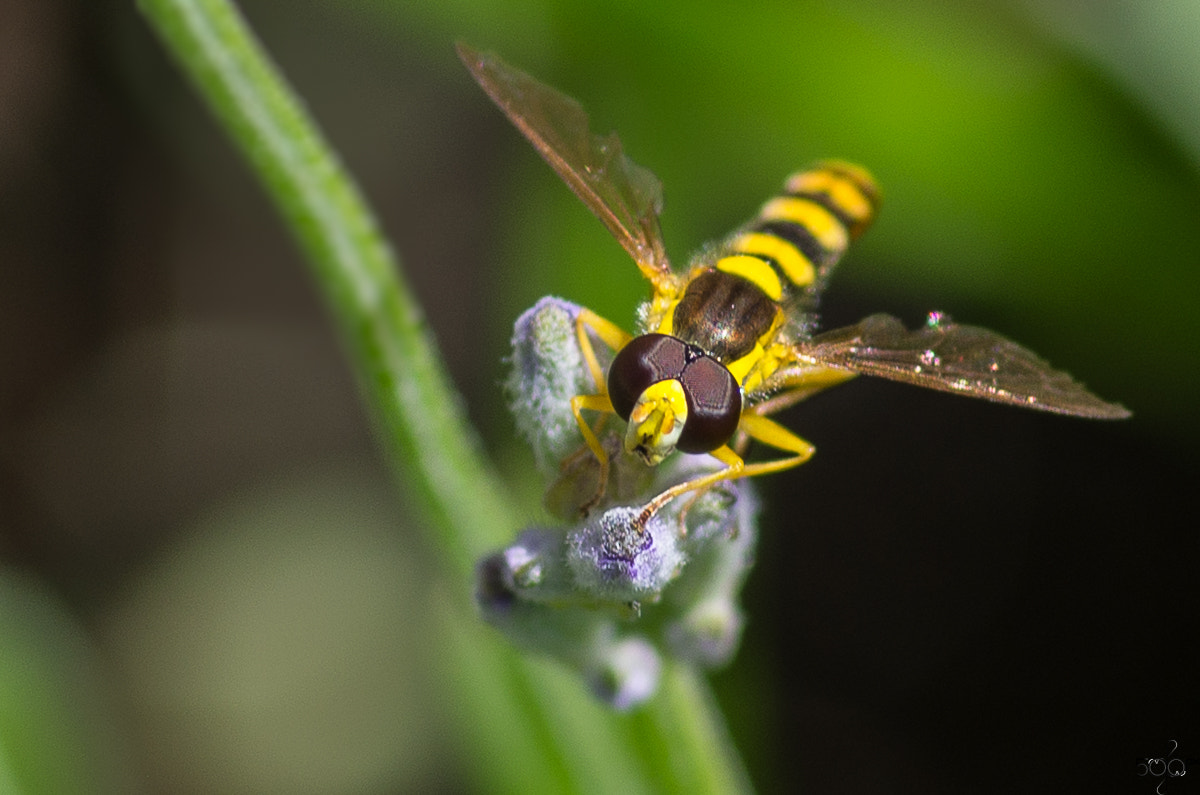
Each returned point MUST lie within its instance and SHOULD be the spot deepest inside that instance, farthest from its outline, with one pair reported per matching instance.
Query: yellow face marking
(845, 192)
(795, 266)
(824, 226)
(754, 270)
(656, 422)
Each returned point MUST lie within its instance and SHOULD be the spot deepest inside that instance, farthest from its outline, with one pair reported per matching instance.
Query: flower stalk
(515, 715)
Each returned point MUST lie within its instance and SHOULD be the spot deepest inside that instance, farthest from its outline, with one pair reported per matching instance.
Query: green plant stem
(420, 416)
(529, 729)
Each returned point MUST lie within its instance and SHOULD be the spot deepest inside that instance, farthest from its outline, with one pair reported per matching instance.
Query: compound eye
(646, 360)
(714, 406)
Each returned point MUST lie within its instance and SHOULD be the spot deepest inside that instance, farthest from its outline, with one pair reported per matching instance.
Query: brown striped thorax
(727, 342)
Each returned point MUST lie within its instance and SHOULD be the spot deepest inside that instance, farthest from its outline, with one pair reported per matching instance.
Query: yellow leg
(797, 381)
(599, 403)
(808, 387)
(756, 427)
(615, 338)
(602, 404)
(609, 333)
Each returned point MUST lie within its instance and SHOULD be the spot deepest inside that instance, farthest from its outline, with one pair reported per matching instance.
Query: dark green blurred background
(206, 584)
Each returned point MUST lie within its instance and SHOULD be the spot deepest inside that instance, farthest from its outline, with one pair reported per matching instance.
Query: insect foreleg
(615, 338)
(602, 404)
(609, 333)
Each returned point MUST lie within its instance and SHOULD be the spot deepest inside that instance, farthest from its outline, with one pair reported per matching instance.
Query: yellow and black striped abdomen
(731, 306)
(802, 233)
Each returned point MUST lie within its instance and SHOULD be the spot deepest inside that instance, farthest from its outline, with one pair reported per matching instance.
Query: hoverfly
(729, 341)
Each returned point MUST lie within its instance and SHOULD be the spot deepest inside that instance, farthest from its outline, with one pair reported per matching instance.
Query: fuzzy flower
(609, 594)
(614, 558)
(546, 365)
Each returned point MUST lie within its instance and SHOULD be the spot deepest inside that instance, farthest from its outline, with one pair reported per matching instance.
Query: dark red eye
(646, 360)
(714, 406)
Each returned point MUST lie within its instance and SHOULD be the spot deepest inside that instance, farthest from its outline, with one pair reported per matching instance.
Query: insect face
(674, 397)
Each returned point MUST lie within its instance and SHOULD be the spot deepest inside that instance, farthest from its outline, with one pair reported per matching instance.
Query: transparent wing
(622, 194)
(964, 359)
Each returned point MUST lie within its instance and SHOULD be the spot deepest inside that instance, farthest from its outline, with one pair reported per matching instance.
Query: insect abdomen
(735, 303)
(801, 233)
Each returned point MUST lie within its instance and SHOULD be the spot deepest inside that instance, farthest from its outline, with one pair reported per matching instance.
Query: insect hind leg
(756, 427)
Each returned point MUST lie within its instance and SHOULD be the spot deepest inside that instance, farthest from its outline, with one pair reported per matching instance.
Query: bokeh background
(209, 582)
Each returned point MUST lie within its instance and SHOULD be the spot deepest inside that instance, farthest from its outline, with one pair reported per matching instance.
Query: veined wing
(967, 360)
(622, 194)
